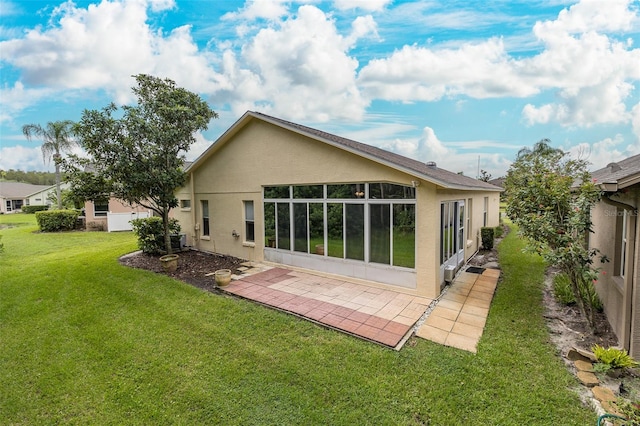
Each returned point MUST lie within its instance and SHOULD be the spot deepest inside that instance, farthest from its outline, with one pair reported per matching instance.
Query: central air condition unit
(449, 273)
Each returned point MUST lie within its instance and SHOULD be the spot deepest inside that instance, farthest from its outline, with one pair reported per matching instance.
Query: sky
(464, 83)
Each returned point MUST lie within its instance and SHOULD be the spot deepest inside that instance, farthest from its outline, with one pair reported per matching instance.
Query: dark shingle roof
(620, 174)
(428, 172)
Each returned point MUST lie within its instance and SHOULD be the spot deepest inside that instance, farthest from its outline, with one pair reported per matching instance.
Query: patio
(382, 316)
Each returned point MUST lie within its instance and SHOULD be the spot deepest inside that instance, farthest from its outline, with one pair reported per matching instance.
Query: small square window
(185, 204)
(100, 209)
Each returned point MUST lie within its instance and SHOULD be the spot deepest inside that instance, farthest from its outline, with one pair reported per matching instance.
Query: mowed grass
(84, 340)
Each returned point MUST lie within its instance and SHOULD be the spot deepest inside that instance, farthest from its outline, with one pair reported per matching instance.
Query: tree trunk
(167, 236)
(56, 160)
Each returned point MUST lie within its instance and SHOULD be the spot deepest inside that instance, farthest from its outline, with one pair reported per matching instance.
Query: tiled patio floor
(379, 315)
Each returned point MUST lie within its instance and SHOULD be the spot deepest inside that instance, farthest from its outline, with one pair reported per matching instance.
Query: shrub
(57, 220)
(614, 357)
(33, 209)
(150, 233)
(487, 235)
(499, 230)
(562, 289)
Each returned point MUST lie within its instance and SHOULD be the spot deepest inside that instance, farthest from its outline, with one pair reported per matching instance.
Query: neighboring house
(272, 190)
(44, 197)
(113, 215)
(617, 235)
(13, 195)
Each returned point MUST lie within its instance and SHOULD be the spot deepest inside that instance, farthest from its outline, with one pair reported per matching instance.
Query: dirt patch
(193, 266)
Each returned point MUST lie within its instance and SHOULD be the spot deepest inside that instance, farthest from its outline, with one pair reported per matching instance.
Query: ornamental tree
(137, 153)
(550, 197)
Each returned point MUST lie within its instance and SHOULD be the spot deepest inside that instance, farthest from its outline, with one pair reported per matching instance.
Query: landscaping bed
(194, 267)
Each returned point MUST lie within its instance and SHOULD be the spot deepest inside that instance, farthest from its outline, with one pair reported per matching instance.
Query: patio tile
(388, 338)
(377, 322)
(368, 310)
(481, 295)
(405, 320)
(474, 310)
(491, 273)
(397, 328)
(461, 342)
(467, 330)
(441, 311)
(349, 325)
(358, 316)
(475, 320)
(480, 303)
(316, 314)
(431, 333)
(439, 322)
(367, 331)
(455, 297)
(450, 304)
(332, 320)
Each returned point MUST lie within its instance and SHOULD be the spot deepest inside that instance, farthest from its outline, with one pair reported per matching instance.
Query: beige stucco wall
(617, 294)
(261, 154)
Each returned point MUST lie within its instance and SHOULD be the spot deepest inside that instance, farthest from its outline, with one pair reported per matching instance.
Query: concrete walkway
(458, 319)
(379, 315)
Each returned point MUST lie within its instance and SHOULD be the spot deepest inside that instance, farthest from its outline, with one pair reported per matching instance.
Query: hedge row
(57, 220)
(33, 209)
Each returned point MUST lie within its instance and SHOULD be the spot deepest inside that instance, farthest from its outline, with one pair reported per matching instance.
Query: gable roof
(19, 190)
(618, 175)
(425, 171)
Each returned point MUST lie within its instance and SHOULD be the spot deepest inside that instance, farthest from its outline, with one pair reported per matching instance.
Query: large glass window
(380, 233)
(316, 228)
(301, 237)
(284, 226)
(335, 222)
(373, 222)
(389, 191)
(354, 230)
(270, 225)
(404, 235)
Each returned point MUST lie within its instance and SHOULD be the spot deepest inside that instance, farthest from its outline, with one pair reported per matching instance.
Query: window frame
(249, 221)
(205, 231)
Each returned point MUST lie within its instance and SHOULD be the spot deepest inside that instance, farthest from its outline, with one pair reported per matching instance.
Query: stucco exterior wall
(616, 289)
(262, 154)
(94, 222)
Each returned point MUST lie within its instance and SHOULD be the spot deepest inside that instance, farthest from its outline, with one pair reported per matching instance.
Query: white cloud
(370, 5)
(603, 152)
(304, 69)
(92, 49)
(21, 157)
(259, 9)
(591, 71)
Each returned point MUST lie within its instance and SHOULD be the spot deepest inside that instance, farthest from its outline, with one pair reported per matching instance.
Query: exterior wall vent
(431, 164)
(615, 167)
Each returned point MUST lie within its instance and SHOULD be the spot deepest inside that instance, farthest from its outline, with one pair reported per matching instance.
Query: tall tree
(550, 198)
(140, 155)
(57, 136)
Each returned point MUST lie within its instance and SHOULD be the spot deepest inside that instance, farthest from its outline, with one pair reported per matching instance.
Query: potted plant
(222, 277)
(169, 262)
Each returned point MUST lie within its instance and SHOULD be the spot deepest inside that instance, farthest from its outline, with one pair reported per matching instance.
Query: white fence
(121, 221)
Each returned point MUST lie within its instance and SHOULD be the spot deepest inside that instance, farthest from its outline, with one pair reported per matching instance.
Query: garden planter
(223, 277)
(169, 262)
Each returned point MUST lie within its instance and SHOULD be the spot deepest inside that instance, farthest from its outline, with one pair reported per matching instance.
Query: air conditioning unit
(449, 273)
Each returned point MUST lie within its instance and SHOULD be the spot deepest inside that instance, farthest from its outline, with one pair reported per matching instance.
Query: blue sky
(456, 82)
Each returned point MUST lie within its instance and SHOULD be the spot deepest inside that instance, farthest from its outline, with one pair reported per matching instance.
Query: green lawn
(84, 340)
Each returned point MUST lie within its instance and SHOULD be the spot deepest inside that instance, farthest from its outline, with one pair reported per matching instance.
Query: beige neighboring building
(272, 190)
(14, 195)
(113, 215)
(617, 235)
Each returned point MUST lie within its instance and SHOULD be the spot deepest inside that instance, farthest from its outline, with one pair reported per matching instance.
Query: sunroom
(363, 230)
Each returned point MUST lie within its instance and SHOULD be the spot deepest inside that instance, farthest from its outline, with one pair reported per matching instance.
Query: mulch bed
(193, 266)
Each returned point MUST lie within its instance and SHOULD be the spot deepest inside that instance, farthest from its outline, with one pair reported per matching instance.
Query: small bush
(150, 233)
(562, 290)
(1, 245)
(33, 209)
(499, 230)
(57, 220)
(591, 296)
(487, 235)
(96, 226)
(616, 358)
